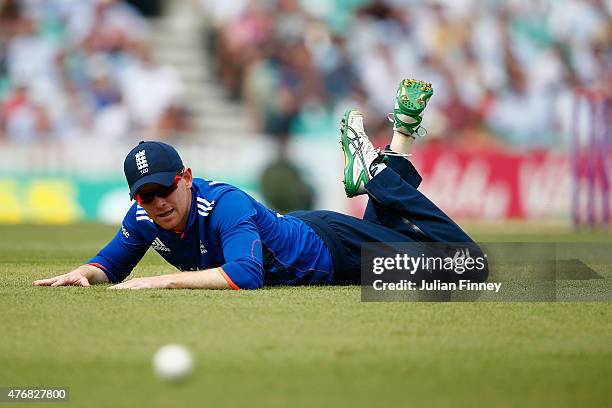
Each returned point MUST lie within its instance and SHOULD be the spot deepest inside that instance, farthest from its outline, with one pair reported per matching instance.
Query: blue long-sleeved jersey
(226, 228)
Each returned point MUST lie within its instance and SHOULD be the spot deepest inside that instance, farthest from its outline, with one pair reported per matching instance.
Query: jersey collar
(193, 211)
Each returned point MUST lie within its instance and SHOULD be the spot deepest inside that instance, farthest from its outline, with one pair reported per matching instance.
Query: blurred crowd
(83, 68)
(504, 71)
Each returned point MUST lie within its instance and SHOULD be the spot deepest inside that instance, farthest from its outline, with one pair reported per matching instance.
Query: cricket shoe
(359, 153)
(361, 158)
(410, 102)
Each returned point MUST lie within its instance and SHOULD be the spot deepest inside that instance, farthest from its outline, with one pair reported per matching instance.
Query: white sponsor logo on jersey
(124, 231)
(158, 245)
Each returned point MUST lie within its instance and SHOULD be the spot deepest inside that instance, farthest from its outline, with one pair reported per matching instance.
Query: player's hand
(73, 278)
(150, 282)
(84, 276)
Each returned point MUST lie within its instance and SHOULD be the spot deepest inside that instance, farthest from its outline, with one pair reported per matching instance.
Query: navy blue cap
(151, 162)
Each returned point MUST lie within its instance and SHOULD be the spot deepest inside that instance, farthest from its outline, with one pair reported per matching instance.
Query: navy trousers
(396, 212)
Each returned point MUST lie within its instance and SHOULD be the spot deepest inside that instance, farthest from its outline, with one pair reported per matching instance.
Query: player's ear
(188, 177)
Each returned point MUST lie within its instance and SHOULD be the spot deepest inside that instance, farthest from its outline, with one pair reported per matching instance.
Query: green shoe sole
(411, 99)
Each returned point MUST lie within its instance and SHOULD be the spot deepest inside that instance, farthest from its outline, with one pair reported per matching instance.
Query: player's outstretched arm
(84, 275)
(205, 279)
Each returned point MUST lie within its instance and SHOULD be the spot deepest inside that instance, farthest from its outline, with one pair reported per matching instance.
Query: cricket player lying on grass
(229, 240)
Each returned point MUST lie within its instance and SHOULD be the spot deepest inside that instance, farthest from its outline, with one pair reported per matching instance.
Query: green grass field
(316, 346)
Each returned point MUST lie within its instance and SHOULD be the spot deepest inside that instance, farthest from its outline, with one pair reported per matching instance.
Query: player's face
(169, 212)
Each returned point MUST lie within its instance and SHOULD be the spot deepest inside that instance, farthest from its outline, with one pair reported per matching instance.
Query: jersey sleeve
(234, 221)
(123, 252)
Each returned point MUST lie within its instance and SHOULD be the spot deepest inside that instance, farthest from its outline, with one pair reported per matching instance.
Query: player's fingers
(45, 282)
(84, 282)
(59, 282)
(41, 282)
(66, 280)
(127, 284)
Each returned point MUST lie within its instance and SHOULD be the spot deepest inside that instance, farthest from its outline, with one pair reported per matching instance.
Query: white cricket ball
(172, 362)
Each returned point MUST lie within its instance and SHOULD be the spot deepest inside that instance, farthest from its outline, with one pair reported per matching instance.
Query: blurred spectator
(283, 186)
(23, 118)
(149, 88)
(521, 112)
(499, 68)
